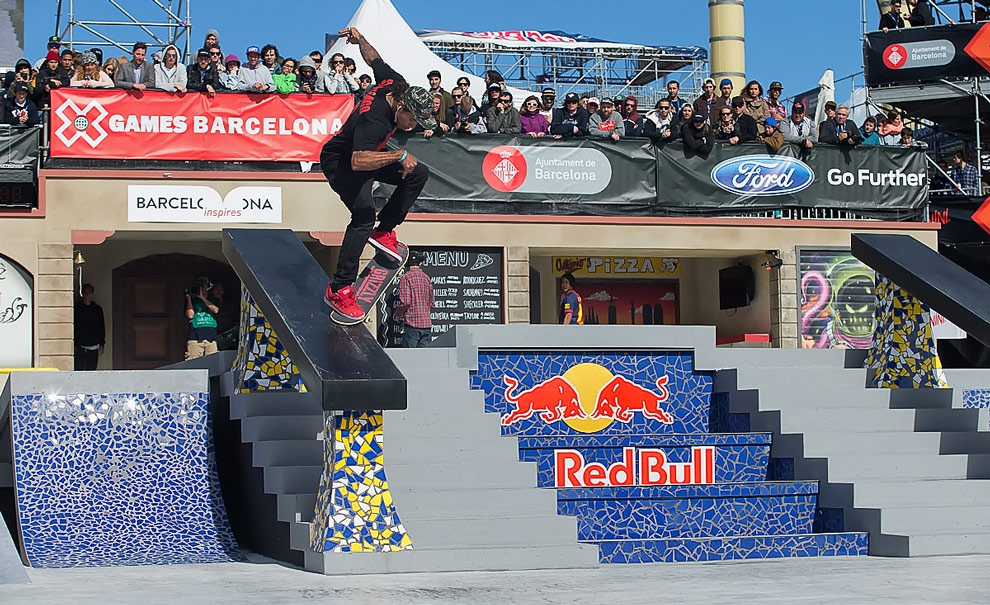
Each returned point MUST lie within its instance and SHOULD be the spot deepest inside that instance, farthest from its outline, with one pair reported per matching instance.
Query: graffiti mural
(838, 300)
(16, 315)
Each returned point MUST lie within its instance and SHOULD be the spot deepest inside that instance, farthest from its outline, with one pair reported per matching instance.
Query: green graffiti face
(853, 298)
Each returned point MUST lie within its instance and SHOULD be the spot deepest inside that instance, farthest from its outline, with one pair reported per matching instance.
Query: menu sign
(467, 287)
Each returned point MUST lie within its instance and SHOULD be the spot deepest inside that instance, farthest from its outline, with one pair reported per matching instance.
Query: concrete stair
(908, 466)
(462, 495)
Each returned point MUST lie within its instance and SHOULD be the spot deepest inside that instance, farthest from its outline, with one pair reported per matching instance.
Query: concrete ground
(942, 580)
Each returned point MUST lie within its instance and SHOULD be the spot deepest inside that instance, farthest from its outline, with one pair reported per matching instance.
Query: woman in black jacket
(697, 135)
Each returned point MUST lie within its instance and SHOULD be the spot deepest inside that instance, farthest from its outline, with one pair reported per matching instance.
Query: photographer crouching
(202, 314)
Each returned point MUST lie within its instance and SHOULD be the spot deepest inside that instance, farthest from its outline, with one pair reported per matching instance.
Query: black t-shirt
(369, 127)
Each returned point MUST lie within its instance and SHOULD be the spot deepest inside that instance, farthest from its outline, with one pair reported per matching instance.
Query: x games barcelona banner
(155, 125)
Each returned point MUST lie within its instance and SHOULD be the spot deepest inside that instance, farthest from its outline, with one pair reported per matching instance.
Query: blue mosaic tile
(976, 398)
(733, 548)
(117, 479)
(690, 517)
(829, 520)
(679, 492)
(781, 469)
(686, 404)
(721, 420)
(738, 458)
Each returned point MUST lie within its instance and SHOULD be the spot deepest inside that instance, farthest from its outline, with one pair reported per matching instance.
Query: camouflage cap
(419, 102)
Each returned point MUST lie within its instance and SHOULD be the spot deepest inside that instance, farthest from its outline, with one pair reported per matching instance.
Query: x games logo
(85, 124)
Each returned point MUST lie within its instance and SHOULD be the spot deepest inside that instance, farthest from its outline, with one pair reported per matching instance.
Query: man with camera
(202, 315)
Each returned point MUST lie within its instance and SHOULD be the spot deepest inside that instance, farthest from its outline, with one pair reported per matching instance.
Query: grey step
(443, 534)
(575, 556)
(800, 398)
(778, 358)
(962, 543)
(935, 519)
(858, 420)
(287, 452)
(471, 424)
(273, 404)
(419, 503)
(965, 442)
(292, 505)
(6, 474)
(477, 451)
(946, 492)
(264, 428)
(853, 467)
(455, 476)
(815, 445)
(834, 378)
(292, 479)
(409, 360)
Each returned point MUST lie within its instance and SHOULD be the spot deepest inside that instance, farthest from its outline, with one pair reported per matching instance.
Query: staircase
(908, 466)
(730, 513)
(464, 498)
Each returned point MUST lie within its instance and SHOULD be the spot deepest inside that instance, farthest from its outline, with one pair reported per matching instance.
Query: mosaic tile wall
(734, 548)
(903, 353)
(354, 509)
(262, 364)
(551, 401)
(117, 479)
(976, 399)
(730, 509)
(738, 458)
(687, 403)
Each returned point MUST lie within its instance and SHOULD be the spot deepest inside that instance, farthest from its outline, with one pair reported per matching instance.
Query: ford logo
(763, 175)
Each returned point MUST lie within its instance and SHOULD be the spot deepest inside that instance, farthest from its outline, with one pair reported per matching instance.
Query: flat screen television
(736, 287)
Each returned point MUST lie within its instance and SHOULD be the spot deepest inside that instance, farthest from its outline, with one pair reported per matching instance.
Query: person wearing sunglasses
(170, 75)
(632, 118)
(216, 56)
(337, 81)
(548, 97)
(571, 120)
(726, 130)
(503, 118)
(660, 122)
(531, 120)
(606, 123)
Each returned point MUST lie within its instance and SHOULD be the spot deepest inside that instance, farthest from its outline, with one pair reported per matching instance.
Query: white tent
(401, 48)
(826, 93)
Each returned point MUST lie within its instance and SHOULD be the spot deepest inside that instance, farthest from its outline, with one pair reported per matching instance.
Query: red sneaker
(386, 242)
(343, 302)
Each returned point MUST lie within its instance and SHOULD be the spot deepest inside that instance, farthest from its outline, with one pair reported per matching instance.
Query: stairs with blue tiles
(664, 485)
(911, 466)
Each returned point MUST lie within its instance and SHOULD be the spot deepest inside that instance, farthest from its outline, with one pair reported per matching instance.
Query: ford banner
(869, 179)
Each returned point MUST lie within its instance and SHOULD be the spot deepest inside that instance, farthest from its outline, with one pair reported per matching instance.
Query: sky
(791, 41)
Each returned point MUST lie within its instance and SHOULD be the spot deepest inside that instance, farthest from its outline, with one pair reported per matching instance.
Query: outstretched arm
(368, 52)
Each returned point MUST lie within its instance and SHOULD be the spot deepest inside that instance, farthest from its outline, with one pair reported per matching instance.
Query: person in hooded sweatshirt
(170, 75)
(631, 117)
(50, 77)
(606, 123)
(212, 38)
(531, 119)
(309, 79)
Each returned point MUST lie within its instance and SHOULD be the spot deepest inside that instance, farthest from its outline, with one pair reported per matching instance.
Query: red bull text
(644, 468)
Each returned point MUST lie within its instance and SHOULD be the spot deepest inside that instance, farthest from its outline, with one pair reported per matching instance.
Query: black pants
(86, 360)
(354, 189)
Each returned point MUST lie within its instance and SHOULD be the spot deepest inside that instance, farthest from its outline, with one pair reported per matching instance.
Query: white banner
(193, 204)
(943, 329)
(16, 316)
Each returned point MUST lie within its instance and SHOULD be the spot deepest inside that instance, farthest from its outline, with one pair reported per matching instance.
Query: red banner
(151, 125)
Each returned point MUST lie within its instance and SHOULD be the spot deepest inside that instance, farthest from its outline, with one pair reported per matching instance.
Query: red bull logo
(588, 398)
(646, 467)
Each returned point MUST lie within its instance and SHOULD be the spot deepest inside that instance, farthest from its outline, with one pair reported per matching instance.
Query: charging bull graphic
(558, 398)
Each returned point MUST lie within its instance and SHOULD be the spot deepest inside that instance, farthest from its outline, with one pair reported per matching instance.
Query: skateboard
(372, 283)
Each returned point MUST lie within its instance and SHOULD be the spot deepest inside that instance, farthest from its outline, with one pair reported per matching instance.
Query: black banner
(927, 53)
(467, 286)
(19, 146)
(505, 169)
(867, 178)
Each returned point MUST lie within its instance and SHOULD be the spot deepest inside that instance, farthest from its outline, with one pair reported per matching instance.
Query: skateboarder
(353, 159)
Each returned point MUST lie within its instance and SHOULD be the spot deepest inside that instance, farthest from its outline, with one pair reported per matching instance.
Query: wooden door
(149, 321)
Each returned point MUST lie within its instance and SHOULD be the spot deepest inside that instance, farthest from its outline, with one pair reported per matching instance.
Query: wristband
(404, 154)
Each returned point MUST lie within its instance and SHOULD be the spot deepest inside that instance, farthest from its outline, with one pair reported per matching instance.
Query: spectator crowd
(754, 115)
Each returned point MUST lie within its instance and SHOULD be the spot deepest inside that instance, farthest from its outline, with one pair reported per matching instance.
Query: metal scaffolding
(158, 23)
(602, 70)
